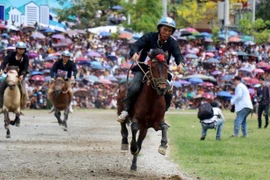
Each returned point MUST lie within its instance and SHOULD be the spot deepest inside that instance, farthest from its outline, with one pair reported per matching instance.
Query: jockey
(65, 67)
(21, 60)
(152, 40)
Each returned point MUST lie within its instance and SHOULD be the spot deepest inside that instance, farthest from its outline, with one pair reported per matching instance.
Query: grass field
(230, 158)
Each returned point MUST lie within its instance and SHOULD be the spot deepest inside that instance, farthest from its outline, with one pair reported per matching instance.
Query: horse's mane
(156, 52)
(13, 68)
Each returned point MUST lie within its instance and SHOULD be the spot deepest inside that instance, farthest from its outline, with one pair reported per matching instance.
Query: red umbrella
(253, 81)
(2, 26)
(38, 78)
(81, 59)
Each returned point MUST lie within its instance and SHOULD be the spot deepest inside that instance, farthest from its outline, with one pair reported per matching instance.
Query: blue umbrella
(111, 78)
(212, 60)
(224, 94)
(105, 34)
(117, 7)
(227, 77)
(112, 58)
(49, 58)
(177, 84)
(91, 78)
(137, 36)
(96, 65)
(195, 80)
(48, 30)
(241, 53)
(36, 73)
(192, 56)
(5, 35)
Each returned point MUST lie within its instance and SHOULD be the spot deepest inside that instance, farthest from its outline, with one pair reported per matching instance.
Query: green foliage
(245, 24)
(84, 9)
(230, 158)
(215, 32)
(263, 10)
(261, 37)
(144, 14)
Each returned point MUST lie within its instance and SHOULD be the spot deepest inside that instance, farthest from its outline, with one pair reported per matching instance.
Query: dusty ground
(39, 149)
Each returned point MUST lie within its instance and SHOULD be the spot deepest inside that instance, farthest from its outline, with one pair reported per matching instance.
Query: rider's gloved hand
(180, 68)
(52, 80)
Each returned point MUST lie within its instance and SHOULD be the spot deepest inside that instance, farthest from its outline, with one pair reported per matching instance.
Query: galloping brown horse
(60, 97)
(149, 109)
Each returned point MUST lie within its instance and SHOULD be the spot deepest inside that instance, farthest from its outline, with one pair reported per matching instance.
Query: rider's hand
(180, 68)
(72, 79)
(21, 77)
(135, 57)
(52, 80)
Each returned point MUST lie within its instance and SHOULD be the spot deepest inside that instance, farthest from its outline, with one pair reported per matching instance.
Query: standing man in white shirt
(243, 106)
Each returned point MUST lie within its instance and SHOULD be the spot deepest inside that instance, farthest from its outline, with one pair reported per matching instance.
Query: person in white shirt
(216, 121)
(243, 106)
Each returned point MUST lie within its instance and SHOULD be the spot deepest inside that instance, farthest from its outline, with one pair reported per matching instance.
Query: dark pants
(135, 88)
(262, 108)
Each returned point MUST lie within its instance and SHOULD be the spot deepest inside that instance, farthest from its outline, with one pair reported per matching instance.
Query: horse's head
(12, 77)
(158, 71)
(59, 84)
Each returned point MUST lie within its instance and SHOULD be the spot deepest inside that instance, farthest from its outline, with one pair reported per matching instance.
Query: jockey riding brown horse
(150, 107)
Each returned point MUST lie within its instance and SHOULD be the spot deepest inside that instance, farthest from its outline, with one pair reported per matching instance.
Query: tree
(191, 12)
(82, 12)
(263, 10)
(145, 14)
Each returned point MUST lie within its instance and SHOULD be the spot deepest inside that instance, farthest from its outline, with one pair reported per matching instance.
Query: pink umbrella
(210, 54)
(47, 65)
(262, 64)
(207, 84)
(38, 78)
(125, 65)
(105, 81)
(259, 71)
(93, 54)
(81, 59)
(208, 96)
(58, 36)
(192, 30)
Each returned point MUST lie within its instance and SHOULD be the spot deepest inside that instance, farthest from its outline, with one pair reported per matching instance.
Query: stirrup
(121, 118)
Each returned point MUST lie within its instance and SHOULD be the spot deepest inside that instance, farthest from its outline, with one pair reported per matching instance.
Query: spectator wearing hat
(243, 106)
(216, 121)
(263, 101)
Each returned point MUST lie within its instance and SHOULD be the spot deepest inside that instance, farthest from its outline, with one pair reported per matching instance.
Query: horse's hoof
(162, 150)
(17, 124)
(8, 136)
(133, 167)
(65, 129)
(124, 146)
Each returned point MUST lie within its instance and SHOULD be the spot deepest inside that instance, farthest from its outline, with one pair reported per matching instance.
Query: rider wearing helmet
(152, 40)
(65, 68)
(20, 59)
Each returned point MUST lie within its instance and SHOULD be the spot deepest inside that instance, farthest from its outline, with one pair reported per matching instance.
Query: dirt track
(39, 149)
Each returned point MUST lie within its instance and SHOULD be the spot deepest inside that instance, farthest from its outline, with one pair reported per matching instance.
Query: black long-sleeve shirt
(59, 66)
(150, 41)
(263, 95)
(11, 60)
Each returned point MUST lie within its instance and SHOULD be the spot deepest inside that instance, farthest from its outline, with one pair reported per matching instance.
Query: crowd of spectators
(103, 65)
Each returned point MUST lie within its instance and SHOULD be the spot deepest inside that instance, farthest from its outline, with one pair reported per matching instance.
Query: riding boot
(2, 89)
(168, 100)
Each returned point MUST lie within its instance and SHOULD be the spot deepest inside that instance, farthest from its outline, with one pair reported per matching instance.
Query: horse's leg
(57, 114)
(17, 119)
(124, 133)
(7, 122)
(163, 146)
(141, 137)
(64, 123)
(133, 146)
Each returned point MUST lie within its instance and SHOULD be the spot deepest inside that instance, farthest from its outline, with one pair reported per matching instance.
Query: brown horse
(149, 109)
(60, 96)
(12, 99)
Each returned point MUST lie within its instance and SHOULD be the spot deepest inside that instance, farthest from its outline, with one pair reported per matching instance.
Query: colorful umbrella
(38, 78)
(125, 36)
(105, 81)
(93, 54)
(58, 36)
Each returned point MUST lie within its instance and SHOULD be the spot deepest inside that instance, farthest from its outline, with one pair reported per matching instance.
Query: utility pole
(227, 19)
(164, 11)
(253, 10)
